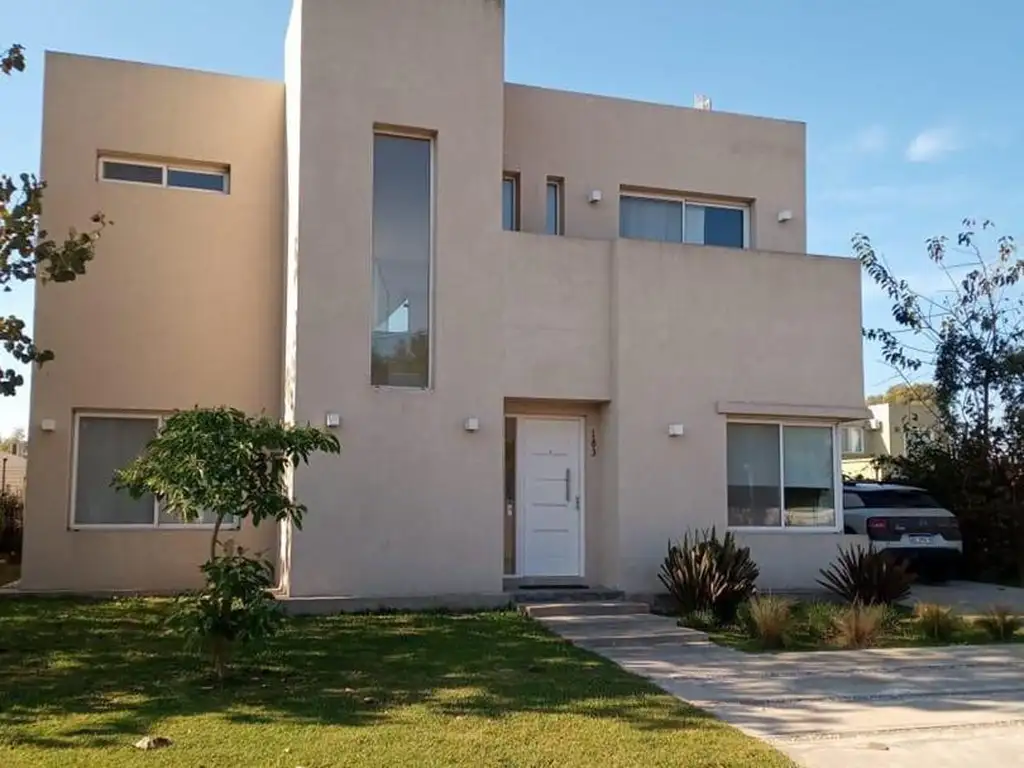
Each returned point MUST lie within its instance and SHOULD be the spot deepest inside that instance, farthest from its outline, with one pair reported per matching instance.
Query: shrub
(702, 573)
(237, 607)
(12, 515)
(819, 618)
(1000, 623)
(769, 620)
(703, 619)
(859, 625)
(867, 576)
(936, 622)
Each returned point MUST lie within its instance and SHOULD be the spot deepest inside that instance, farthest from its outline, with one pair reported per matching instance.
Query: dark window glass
(213, 182)
(554, 206)
(723, 226)
(509, 204)
(400, 338)
(896, 499)
(143, 174)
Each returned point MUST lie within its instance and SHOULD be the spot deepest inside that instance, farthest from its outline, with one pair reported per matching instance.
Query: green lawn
(80, 682)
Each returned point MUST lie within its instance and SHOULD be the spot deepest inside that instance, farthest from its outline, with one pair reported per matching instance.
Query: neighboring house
(13, 467)
(610, 299)
(884, 434)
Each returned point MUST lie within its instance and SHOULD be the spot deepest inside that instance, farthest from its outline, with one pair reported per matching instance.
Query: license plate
(921, 540)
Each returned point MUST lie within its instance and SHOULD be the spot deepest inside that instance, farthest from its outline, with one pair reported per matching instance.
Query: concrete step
(585, 608)
(625, 630)
(523, 596)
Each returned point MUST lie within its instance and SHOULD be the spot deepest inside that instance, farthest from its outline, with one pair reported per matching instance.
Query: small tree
(27, 252)
(221, 462)
(970, 339)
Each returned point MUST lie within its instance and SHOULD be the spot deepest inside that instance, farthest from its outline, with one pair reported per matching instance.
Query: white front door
(551, 496)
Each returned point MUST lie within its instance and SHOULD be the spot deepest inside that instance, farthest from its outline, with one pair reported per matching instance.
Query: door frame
(581, 422)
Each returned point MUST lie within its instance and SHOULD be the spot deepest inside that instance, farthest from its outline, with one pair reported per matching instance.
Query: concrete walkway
(888, 708)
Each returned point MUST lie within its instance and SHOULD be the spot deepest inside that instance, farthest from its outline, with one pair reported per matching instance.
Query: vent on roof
(700, 101)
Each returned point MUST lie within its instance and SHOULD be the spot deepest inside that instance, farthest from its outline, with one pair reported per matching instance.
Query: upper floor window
(180, 176)
(555, 223)
(402, 252)
(510, 202)
(853, 439)
(683, 221)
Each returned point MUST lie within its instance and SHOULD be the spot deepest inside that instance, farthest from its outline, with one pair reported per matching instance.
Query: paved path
(889, 708)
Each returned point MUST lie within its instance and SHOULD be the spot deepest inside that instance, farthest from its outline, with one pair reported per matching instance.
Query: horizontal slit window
(211, 182)
(140, 174)
(205, 179)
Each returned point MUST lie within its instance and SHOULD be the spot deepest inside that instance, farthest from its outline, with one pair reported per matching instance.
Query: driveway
(891, 708)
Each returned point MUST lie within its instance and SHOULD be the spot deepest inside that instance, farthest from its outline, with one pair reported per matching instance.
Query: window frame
(229, 524)
(165, 168)
(837, 480)
(685, 200)
(517, 203)
(558, 184)
(381, 129)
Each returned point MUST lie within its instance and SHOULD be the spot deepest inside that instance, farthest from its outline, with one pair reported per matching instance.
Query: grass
(80, 682)
(812, 630)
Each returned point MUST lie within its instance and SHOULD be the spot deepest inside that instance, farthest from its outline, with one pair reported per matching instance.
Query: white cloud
(932, 144)
(871, 141)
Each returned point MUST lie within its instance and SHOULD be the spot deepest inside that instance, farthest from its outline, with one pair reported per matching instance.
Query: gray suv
(907, 523)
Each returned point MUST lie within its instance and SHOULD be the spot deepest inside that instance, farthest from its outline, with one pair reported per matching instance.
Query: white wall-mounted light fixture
(472, 424)
(332, 420)
(48, 425)
(595, 196)
(785, 215)
(676, 430)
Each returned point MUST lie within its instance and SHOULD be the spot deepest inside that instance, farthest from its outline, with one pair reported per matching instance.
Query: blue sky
(912, 109)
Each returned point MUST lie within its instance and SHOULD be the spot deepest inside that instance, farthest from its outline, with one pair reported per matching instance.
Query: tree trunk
(216, 533)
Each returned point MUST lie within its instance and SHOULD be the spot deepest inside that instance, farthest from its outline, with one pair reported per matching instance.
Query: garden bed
(813, 627)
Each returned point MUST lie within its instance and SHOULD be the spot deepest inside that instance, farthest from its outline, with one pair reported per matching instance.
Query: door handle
(568, 484)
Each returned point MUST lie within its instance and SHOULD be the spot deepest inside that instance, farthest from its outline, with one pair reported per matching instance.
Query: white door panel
(551, 496)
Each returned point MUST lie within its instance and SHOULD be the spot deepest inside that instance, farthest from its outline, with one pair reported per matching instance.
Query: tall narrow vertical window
(510, 202)
(555, 205)
(402, 236)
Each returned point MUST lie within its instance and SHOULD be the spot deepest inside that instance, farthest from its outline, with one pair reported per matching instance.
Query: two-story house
(552, 330)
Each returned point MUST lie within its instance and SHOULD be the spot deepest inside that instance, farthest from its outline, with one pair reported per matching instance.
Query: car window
(852, 500)
(897, 499)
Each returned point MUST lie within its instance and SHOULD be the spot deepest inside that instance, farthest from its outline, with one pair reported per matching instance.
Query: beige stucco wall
(182, 305)
(413, 505)
(694, 326)
(598, 143)
(556, 318)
